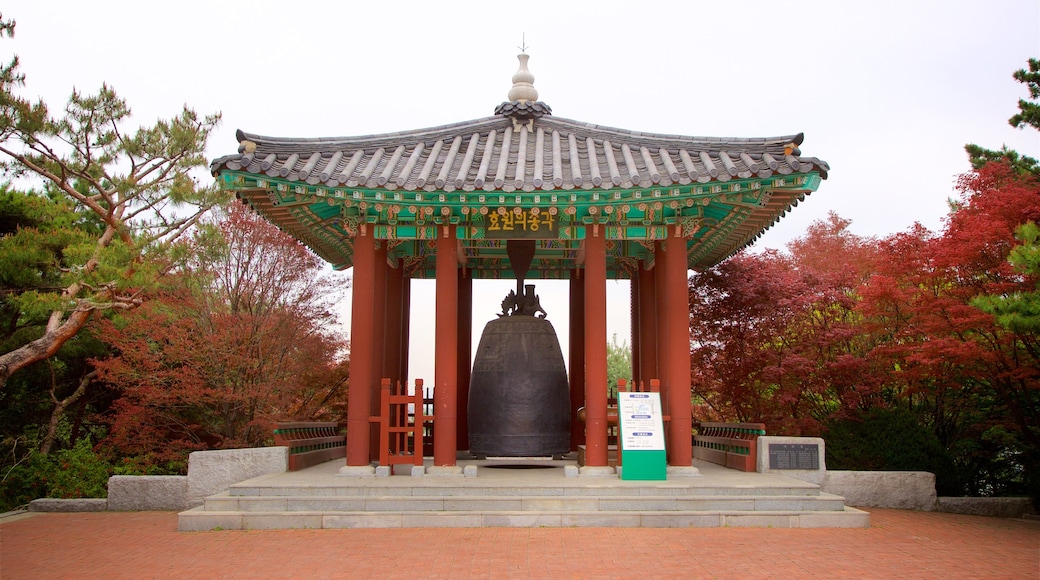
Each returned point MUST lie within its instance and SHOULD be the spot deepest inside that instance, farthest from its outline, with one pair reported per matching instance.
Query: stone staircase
(529, 497)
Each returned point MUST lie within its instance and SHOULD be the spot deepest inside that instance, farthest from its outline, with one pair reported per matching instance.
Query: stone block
(358, 471)
(263, 504)
(440, 520)
(197, 520)
(221, 504)
(911, 490)
(779, 504)
(393, 504)
(130, 493)
(641, 504)
(568, 504)
(444, 471)
(82, 504)
(521, 520)
(325, 504)
(759, 521)
(597, 471)
(815, 476)
(681, 520)
(716, 503)
(599, 520)
(484, 504)
(363, 520)
(282, 521)
(850, 518)
(211, 472)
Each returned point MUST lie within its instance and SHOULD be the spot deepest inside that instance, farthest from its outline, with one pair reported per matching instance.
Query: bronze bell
(519, 399)
(519, 402)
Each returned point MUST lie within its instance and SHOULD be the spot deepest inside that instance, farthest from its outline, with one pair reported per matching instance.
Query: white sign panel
(641, 424)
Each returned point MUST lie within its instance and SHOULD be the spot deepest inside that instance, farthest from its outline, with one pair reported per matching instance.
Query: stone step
(490, 496)
(468, 490)
(530, 503)
(199, 519)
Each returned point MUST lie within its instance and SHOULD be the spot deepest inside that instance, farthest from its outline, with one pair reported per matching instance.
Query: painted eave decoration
(522, 173)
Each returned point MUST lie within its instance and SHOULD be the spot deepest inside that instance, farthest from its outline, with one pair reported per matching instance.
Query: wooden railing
(427, 431)
(401, 423)
(734, 445)
(311, 443)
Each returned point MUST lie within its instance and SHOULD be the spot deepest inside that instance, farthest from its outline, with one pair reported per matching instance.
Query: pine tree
(136, 184)
(1028, 116)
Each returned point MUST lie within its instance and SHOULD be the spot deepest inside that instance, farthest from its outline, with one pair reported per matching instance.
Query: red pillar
(445, 406)
(361, 324)
(661, 310)
(576, 353)
(634, 328)
(677, 373)
(394, 324)
(595, 347)
(378, 339)
(406, 322)
(465, 362)
(647, 326)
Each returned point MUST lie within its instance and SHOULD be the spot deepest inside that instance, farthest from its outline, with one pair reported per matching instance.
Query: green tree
(1019, 311)
(37, 234)
(1028, 116)
(619, 364)
(136, 184)
(1028, 113)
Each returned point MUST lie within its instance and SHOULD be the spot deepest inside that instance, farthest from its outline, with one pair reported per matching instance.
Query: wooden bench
(311, 443)
(734, 445)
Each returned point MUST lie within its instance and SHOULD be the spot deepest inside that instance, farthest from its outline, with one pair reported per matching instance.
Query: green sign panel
(641, 436)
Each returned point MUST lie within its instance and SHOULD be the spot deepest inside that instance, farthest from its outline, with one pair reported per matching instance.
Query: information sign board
(641, 436)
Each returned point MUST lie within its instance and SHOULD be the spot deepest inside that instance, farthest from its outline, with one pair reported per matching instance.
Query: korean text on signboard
(521, 223)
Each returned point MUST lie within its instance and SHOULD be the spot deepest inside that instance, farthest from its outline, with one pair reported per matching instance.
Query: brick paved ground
(899, 544)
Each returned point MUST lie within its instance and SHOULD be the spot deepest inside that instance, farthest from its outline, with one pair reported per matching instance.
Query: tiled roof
(495, 154)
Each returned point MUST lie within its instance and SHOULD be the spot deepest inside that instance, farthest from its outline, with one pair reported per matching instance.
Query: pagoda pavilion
(601, 203)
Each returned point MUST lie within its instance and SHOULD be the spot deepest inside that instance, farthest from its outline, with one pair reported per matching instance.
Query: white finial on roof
(523, 106)
(523, 82)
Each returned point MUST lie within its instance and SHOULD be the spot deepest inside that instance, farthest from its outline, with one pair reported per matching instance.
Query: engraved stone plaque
(794, 456)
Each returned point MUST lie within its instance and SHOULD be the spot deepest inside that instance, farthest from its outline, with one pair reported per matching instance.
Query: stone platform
(519, 493)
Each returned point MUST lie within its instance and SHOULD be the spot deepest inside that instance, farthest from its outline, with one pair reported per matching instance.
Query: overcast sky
(888, 93)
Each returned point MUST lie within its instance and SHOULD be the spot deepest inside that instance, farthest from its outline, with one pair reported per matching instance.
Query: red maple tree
(944, 354)
(240, 337)
(775, 335)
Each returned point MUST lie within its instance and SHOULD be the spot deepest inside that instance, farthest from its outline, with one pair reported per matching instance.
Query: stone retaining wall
(910, 490)
(211, 472)
(129, 493)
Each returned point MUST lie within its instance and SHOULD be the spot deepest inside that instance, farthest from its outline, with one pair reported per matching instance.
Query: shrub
(890, 439)
(68, 473)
